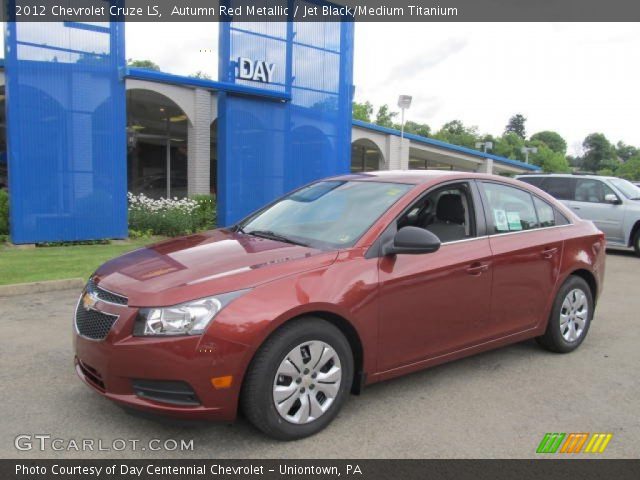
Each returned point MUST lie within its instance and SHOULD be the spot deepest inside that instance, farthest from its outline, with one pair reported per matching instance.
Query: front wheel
(570, 318)
(298, 380)
(636, 242)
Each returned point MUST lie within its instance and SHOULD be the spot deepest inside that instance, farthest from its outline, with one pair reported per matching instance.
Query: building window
(156, 145)
(365, 156)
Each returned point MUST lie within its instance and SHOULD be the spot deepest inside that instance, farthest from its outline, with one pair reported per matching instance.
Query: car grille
(105, 295)
(93, 324)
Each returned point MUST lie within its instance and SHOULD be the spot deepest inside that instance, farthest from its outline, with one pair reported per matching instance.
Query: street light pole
(404, 102)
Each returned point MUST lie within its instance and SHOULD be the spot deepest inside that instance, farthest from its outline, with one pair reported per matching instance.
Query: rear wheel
(570, 317)
(298, 380)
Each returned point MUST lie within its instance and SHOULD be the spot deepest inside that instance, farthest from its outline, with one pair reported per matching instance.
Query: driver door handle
(477, 268)
(549, 252)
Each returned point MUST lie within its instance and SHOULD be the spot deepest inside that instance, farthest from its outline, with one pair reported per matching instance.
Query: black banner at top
(320, 11)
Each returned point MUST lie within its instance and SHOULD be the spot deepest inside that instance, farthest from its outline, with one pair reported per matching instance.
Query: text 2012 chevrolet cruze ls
(341, 284)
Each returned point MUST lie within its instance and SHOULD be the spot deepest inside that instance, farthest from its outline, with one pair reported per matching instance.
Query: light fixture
(527, 151)
(484, 145)
(404, 101)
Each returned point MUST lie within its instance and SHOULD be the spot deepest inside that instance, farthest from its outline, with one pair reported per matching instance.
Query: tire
(565, 332)
(276, 376)
(636, 242)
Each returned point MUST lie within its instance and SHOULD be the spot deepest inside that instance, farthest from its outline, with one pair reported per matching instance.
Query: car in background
(637, 184)
(611, 203)
(340, 284)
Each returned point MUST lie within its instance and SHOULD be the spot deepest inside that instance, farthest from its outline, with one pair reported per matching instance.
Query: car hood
(203, 264)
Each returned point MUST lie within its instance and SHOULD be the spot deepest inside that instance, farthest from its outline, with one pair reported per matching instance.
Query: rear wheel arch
(588, 277)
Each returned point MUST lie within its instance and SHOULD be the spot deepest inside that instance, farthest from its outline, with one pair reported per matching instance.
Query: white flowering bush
(171, 217)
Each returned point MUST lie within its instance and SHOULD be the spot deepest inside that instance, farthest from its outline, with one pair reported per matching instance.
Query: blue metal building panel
(266, 148)
(66, 131)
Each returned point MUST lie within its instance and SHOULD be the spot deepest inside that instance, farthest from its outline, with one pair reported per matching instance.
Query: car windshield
(627, 188)
(327, 214)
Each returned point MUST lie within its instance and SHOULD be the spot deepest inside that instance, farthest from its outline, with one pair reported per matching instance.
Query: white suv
(613, 204)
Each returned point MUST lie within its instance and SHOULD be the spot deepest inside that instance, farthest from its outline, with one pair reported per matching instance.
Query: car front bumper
(111, 366)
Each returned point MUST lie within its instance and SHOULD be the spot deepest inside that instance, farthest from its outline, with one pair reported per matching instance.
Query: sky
(574, 78)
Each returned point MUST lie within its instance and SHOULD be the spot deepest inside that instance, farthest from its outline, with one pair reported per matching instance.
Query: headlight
(189, 318)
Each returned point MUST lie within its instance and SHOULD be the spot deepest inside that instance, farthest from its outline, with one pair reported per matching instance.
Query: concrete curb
(39, 287)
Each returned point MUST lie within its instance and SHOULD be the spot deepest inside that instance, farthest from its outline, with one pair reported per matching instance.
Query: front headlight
(189, 318)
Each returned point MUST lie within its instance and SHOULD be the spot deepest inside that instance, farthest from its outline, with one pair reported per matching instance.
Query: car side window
(592, 190)
(509, 209)
(446, 212)
(561, 188)
(546, 213)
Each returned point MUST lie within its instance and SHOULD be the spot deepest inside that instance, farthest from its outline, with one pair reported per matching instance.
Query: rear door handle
(477, 268)
(576, 208)
(549, 252)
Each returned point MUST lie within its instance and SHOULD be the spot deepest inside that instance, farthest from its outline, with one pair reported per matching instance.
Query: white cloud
(572, 78)
(180, 48)
(575, 78)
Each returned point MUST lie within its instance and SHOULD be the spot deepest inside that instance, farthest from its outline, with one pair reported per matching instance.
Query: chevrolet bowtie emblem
(89, 301)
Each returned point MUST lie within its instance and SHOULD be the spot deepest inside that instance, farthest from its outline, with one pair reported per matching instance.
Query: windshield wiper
(274, 236)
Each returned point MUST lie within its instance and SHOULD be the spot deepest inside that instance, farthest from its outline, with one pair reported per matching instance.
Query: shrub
(4, 212)
(171, 217)
(206, 211)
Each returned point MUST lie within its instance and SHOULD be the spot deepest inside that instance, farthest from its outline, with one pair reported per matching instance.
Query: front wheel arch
(345, 327)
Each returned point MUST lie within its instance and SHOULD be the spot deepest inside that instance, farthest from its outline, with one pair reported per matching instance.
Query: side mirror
(412, 240)
(612, 198)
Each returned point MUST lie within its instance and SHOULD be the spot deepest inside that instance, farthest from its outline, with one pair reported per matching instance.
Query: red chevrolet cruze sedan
(343, 283)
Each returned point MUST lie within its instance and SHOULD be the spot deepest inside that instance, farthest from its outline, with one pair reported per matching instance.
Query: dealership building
(79, 128)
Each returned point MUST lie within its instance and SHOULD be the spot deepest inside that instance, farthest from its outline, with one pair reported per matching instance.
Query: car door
(589, 203)
(527, 251)
(432, 304)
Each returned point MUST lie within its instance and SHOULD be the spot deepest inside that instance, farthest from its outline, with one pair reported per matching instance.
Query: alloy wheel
(574, 315)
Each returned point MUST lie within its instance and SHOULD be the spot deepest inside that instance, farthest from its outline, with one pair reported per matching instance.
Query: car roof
(412, 177)
(564, 175)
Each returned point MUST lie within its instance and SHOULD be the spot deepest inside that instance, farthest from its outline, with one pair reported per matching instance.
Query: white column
(486, 166)
(397, 153)
(199, 162)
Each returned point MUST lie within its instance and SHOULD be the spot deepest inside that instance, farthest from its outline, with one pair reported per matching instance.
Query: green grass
(19, 265)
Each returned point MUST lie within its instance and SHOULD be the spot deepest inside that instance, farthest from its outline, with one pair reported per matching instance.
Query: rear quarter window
(561, 188)
(535, 181)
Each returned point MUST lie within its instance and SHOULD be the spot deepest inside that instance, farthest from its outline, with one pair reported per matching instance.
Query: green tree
(625, 152)
(549, 160)
(551, 139)
(516, 125)
(630, 169)
(421, 129)
(598, 153)
(456, 133)
(148, 64)
(362, 111)
(385, 117)
(200, 74)
(509, 145)
(575, 161)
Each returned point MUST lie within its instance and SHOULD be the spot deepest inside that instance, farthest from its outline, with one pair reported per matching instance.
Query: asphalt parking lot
(494, 405)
